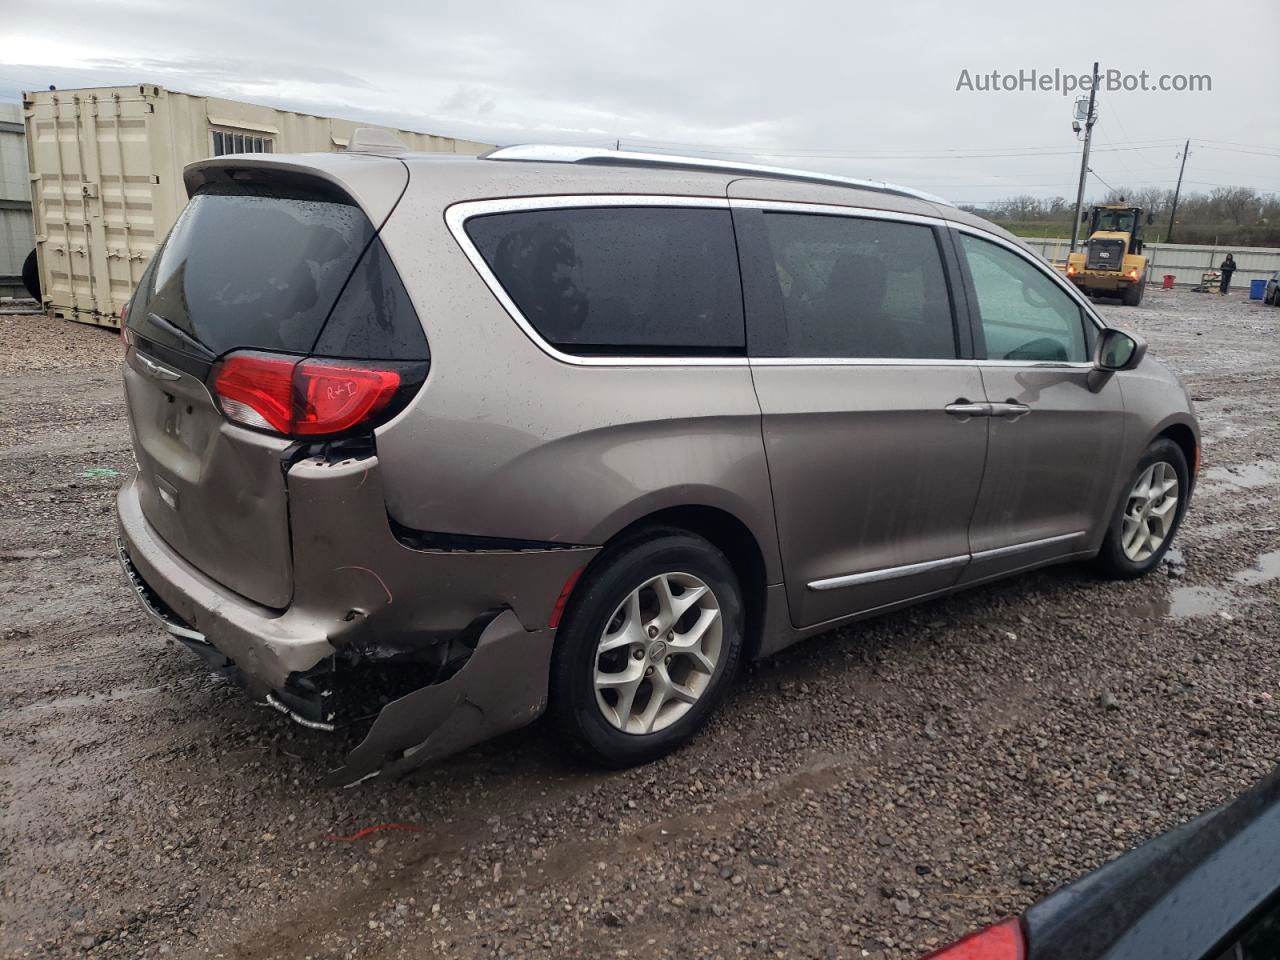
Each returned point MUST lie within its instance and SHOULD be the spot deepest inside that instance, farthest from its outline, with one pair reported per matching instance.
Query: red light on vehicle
(1004, 941)
(256, 389)
(303, 398)
(558, 611)
(1071, 271)
(336, 397)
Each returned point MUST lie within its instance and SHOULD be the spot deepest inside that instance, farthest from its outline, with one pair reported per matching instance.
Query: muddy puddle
(1243, 475)
(1264, 570)
(1183, 603)
(77, 701)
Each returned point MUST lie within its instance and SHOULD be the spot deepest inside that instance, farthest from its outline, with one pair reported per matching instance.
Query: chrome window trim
(837, 210)
(911, 569)
(887, 573)
(458, 214)
(905, 362)
(1038, 263)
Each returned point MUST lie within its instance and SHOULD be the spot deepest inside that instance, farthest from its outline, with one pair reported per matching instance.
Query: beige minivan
(443, 442)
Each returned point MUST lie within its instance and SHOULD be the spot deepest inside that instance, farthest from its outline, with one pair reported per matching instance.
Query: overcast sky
(865, 90)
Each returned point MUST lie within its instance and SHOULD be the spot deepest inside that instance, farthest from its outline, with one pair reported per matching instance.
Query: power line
(1104, 183)
(917, 155)
(1231, 143)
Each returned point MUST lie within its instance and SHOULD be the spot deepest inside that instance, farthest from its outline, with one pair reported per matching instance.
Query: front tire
(1148, 515)
(647, 649)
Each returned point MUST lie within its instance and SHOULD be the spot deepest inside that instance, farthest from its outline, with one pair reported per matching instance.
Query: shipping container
(106, 177)
(15, 202)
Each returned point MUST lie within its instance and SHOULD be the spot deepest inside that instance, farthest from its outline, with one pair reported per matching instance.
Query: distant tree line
(1239, 216)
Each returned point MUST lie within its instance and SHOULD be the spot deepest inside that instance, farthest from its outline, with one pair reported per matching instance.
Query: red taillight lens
(1004, 941)
(256, 389)
(336, 397)
(301, 398)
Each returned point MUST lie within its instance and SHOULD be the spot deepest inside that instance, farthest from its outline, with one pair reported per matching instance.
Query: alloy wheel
(1150, 511)
(658, 653)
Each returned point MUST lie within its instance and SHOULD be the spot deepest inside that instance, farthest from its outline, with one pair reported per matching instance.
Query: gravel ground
(872, 793)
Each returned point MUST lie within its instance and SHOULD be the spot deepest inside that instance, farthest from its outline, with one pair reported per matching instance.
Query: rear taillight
(303, 398)
(1004, 941)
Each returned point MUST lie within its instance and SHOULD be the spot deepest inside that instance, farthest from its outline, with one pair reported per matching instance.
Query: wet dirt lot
(872, 793)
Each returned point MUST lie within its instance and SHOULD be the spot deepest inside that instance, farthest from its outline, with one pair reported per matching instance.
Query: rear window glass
(248, 267)
(620, 280)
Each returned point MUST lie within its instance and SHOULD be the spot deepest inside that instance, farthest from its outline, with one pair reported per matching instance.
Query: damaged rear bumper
(458, 636)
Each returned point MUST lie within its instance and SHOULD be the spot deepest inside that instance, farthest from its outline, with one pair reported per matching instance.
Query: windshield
(1120, 221)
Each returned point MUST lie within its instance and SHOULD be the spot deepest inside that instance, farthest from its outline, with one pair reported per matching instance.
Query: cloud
(866, 91)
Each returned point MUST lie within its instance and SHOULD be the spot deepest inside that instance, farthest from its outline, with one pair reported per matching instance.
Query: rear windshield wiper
(200, 349)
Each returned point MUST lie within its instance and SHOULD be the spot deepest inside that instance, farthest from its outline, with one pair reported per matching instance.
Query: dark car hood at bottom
(1179, 896)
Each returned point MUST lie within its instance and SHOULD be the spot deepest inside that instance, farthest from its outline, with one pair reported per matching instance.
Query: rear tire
(1139, 533)
(31, 276)
(1133, 295)
(656, 619)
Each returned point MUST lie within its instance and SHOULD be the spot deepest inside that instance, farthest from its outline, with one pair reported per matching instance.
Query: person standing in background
(1228, 268)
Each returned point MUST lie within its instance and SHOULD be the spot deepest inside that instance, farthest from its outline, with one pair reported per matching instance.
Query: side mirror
(1118, 350)
(1151, 218)
(1084, 215)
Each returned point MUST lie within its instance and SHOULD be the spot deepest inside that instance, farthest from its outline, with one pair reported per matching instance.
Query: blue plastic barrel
(1257, 289)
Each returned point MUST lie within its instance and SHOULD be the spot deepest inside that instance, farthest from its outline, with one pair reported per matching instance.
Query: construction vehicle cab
(1112, 263)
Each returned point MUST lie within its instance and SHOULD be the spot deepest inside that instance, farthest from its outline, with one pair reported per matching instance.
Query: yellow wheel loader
(1112, 263)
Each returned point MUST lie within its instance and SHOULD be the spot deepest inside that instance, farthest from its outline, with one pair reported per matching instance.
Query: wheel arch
(732, 537)
(1185, 437)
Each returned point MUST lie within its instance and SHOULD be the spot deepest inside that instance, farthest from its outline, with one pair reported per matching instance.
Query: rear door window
(1024, 314)
(860, 288)
(630, 281)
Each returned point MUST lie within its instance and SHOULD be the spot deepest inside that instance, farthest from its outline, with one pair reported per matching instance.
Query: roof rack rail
(553, 153)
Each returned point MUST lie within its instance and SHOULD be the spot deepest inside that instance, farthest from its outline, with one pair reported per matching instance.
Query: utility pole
(1089, 118)
(1178, 190)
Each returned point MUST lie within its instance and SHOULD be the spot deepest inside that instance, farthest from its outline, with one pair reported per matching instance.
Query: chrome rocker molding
(888, 573)
(911, 569)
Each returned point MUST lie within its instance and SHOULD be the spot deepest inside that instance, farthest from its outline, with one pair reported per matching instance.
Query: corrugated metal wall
(1186, 261)
(16, 240)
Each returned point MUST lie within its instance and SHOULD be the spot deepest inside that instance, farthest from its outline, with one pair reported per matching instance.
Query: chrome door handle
(963, 408)
(1009, 410)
